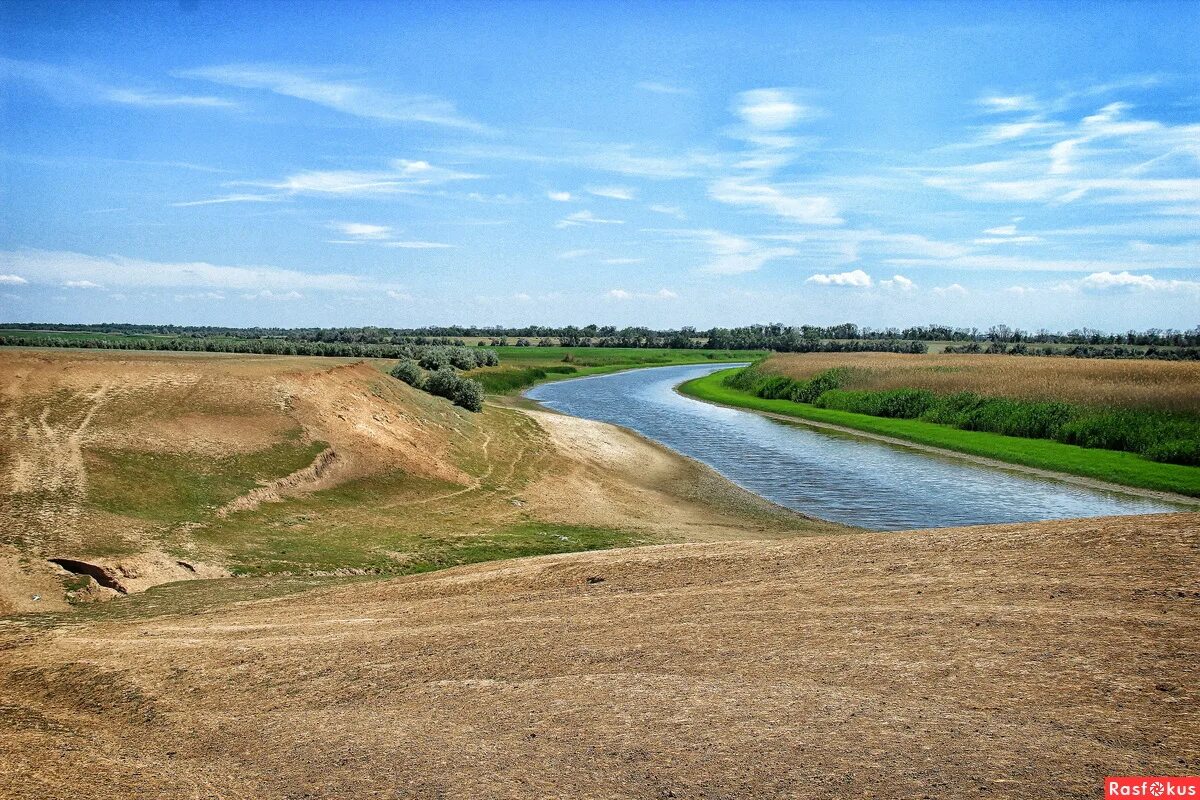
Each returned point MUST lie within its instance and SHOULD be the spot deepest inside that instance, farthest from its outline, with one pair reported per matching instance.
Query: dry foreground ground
(997, 661)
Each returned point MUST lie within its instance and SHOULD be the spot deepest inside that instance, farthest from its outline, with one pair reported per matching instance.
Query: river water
(827, 474)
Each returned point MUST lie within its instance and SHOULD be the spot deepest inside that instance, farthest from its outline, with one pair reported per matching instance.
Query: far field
(1116, 383)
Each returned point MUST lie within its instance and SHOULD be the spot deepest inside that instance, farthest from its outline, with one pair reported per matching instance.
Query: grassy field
(1106, 465)
(1162, 385)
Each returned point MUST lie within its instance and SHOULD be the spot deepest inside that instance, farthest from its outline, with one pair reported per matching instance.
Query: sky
(626, 163)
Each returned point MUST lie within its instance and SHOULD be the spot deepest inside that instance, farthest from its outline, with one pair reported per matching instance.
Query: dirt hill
(1007, 661)
(124, 470)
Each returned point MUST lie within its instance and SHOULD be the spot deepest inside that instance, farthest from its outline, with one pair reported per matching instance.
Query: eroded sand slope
(154, 467)
(1006, 661)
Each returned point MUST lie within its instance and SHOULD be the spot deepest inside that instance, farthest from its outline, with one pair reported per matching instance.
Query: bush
(461, 391)
(410, 372)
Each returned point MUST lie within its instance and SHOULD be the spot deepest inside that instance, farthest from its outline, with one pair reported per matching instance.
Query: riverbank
(1096, 468)
(522, 368)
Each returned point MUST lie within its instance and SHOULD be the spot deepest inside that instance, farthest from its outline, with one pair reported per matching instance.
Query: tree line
(772, 336)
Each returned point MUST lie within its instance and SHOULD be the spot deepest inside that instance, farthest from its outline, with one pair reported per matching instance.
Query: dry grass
(1164, 385)
(1019, 661)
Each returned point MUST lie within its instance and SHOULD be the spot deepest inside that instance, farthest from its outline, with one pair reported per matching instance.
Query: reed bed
(1098, 383)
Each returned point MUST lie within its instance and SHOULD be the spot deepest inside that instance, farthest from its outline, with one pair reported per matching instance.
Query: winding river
(827, 474)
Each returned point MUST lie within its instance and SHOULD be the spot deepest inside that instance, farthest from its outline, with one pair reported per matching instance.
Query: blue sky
(664, 164)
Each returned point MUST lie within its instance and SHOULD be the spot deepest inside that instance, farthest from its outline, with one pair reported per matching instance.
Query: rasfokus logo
(1152, 787)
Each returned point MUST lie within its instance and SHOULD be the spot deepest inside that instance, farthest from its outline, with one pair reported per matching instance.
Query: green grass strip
(1126, 469)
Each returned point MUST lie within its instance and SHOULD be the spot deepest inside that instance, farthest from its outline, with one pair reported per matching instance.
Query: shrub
(468, 394)
(461, 391)
(410, 372)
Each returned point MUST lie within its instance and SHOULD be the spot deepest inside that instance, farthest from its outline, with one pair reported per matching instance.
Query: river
(827, 474)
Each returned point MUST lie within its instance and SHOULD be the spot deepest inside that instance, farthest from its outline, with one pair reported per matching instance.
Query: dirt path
(1065, 477)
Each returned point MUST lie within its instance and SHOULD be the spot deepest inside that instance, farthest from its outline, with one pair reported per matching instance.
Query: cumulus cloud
(953, 290)
(559, 197)
(12, 280)
(81, 285)
(899, 283)
(1126, 281)
(856, 278)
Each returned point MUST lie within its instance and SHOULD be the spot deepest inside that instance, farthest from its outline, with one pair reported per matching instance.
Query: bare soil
(1024, 661)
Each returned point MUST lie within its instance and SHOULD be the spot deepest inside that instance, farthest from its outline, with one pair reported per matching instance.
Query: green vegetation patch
(174, 487)
(1117, 467)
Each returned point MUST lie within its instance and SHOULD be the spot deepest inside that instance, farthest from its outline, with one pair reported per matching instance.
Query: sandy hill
(134, 469)
(1004, 661)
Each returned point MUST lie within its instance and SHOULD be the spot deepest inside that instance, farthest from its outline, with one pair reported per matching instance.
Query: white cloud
(346, 96)
(1126, 281)
(622, 159)
(810, 210)
(77, 284)
(418, 245)
(573, 254)
(402, 177)
(12, 280)
(267, 294)
(62, 267)
(362, 231)
(1002, 230)
(230, 198)
(856, 278)
(661, 294)
(612, 192)
(151, 99)
(729, 254)
(617, 261)
(585, 218)
(670, 211)
(559, 197)
(1002, 104)
(71, 86)
(953, 290)
(1108, 157)
(899, 283)
(772, 109)
(658, 87)
(403, 297)
(179, 298)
